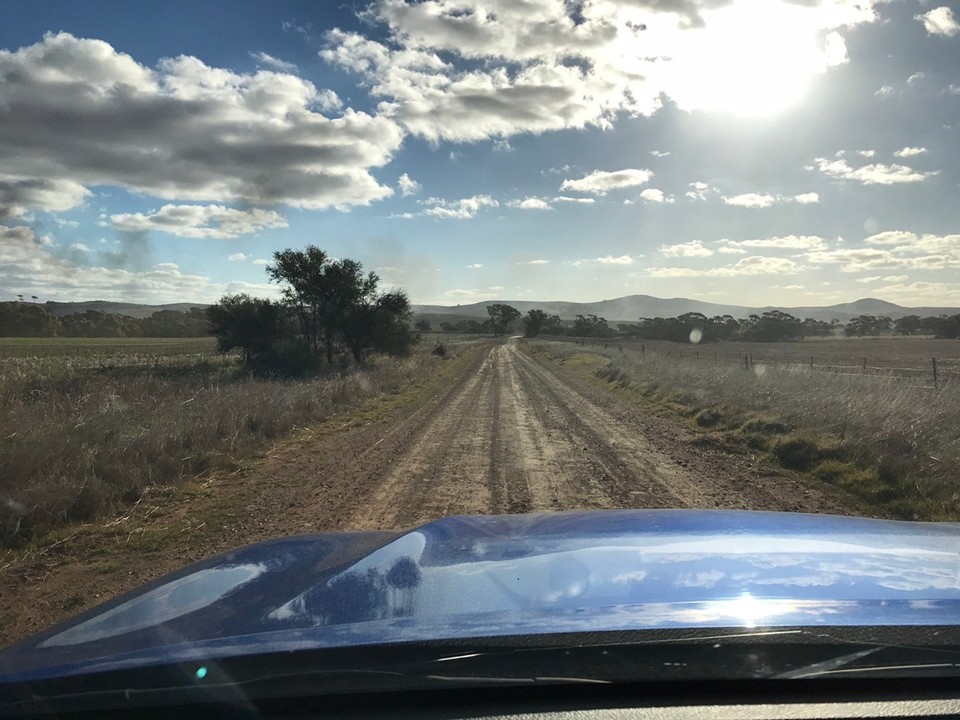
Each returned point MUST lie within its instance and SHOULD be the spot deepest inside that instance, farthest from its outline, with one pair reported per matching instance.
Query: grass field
(89, 424)
(891, 443)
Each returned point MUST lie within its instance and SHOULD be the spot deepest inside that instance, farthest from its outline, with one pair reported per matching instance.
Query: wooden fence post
(934, 361)
(864, 371)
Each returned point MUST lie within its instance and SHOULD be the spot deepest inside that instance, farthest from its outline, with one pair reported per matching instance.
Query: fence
(936, 374)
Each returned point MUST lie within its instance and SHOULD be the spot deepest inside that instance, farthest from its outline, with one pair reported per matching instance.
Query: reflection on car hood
(464, 577)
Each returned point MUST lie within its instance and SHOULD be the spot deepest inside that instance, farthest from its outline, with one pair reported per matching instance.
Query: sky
(745, 152)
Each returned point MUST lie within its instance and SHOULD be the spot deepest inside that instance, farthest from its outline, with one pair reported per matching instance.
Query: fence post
(934, 361)
(864, 371)
(698, 354)
(643, 349)
(811, 362)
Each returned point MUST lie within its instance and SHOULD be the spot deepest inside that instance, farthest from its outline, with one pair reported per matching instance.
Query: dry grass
(81, 435)
(890, 443)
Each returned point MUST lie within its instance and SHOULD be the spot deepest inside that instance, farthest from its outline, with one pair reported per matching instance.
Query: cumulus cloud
(29, 265)
(200, 221)
(753, 265)
(655, 195)
(530, 203)
(18, 195)
(693, 248)
(538, 261)
(874, 174)
(566, 199)
(183, 130)
(599, 182)
(894, 250)
(910, 152)
(408, 186)
(462, 209)
(237, 257)
(940, 21)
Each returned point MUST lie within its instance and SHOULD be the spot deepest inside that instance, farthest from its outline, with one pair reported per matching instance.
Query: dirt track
(510, 433)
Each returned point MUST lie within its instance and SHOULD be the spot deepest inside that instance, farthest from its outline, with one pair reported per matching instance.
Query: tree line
(25, 319)
(771, 326)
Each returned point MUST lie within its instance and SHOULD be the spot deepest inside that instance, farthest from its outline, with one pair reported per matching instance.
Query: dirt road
(509, 433)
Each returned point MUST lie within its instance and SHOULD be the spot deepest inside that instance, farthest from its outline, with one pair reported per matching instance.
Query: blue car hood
(474, 577)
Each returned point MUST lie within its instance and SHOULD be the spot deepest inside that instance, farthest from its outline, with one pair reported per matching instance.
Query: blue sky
(740, 151)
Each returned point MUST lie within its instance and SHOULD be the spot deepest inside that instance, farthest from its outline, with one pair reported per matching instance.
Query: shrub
(708, 417)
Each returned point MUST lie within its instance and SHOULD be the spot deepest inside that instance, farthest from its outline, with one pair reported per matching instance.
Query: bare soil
(502, 432)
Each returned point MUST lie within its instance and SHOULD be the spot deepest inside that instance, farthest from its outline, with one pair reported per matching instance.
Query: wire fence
(935, 374)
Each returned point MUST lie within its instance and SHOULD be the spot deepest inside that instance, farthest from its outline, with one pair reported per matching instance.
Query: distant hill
(633, 307)
(623, 309)
(135, 310)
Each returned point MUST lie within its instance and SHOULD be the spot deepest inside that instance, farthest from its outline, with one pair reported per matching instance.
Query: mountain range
(623, 309)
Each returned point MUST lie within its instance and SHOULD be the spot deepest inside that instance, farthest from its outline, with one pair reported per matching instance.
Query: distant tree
(96, 323)
(943, 327)
(590, 326)
(377, 321)
(423, 325)
(254, 325)
(908, 325)
(533, 322)
(553, 325)
(501, 317)
(447, 326)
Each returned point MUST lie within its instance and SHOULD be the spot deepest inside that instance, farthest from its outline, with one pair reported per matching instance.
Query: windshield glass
(270, 271)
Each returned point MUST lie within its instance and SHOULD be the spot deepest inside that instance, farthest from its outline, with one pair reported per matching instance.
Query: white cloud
(786, 242)
(535, 262)
(461, 209)
(866, 153)
(894, 250)
(910, 152)
(530, 203)
(502, 145)
(605, 260)
(765, 200)
(753, 265)
(262, 262)
(408, 186)
(939, 21)
(884, 92)
(599, 182)
(79, 247)
(200, 221)
(237, 257)
(660, 153)
(915, 78)
(273, 63)
(698, 190)
(473, 293)
(751, 200)
(565, 199)
(474, 266)
(875, 174)
(184, 130)
(730, 250)
(29, 266)
(655, 195)
(693, 248)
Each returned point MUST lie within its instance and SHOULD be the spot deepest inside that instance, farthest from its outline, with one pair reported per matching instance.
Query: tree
(334, 305)
(908, 325)
(18, 319)
(533, 323)
(424, 325)
(501, 317)
(253, 324)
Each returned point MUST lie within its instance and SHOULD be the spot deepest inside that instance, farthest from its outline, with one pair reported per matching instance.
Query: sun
(751, 58)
